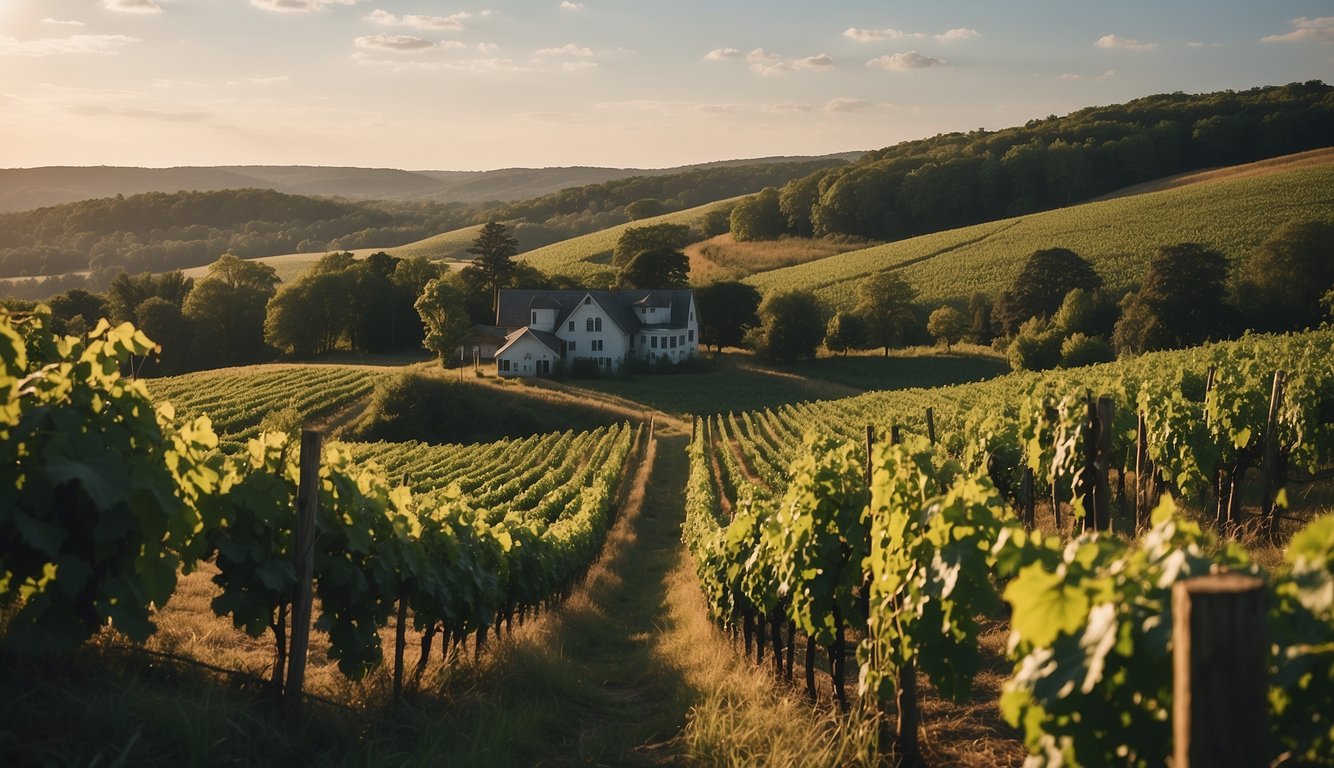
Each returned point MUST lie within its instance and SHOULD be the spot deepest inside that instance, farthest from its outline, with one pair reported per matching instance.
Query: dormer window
(534, 319)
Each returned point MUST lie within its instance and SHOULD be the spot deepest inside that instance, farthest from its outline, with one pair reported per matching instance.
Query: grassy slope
(584, 257)
(723, 258)
(1117, 236)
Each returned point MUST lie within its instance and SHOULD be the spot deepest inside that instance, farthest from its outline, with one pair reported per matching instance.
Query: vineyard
(108, 496)
(237, 402)
(1116, 236)
(908, 515)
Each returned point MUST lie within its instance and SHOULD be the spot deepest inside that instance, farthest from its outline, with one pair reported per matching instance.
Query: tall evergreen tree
(494, 248)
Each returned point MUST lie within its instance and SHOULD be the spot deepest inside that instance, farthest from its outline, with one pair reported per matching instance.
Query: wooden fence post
(1219, 654)
(910, 716)
(1273, 473)
(1087, 482)
(1141, 469)
(931, 425)
(1102, 487)
(1027, 491)
(303, 548)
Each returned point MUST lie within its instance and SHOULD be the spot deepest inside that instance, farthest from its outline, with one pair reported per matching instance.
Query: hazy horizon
(415, 85)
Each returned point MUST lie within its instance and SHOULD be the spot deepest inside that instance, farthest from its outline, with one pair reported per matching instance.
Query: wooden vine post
(1273, 470)
(303, 548)
(910, 716)
(1102, 486)
(1220, 686)
(1142, 501)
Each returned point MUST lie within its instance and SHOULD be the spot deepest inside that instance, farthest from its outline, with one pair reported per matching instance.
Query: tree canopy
(657, 268)
(227, 308)
(1182, 302)
(791, 325)
(444, 313)
(726, 309)
(947, 324)
(1041, 285)
(1281, 283)
(885, 305)
(634, 240)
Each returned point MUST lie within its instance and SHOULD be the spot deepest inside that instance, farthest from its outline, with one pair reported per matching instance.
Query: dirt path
(622, 706)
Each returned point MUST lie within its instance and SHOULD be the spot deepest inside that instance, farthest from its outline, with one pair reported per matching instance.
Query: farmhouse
(547, 329)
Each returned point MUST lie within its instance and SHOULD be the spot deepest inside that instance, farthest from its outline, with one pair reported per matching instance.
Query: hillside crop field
(1116, 236)
(723, 258)
(584, 257)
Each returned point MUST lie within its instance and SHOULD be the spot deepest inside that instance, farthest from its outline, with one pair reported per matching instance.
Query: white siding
(525, 357)
(615, 344)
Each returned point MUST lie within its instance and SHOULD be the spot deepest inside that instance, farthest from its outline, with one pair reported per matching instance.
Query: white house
(547, 328)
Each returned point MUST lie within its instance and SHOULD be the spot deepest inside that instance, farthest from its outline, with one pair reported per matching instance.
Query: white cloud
(721, 54)
(872, 35)
(1320, 30)
(958, 33)
(766, 63)
(1108, 75)
(566, 5)
(62, 22)
(1130, 44)
(820, 61)
(298, 6)
(475, 66)
(57, 46)
(487, 47)
(453, 21)
(569, 49)
(792, 108)
(578, 66)
(845, 105)
(904, 61)
(132, 6)
(395, 43)
(1203, 45)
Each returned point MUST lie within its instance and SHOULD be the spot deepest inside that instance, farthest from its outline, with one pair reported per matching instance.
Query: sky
(483, 84)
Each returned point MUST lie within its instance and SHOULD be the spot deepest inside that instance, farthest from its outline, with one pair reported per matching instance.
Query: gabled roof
(543, 302)
(619, 305)
(549, 340)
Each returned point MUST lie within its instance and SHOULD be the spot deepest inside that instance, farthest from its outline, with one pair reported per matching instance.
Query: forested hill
(956, 179)
(23, 189)
(159, 231)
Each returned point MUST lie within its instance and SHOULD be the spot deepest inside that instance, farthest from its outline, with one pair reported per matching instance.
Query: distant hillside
(1118, 236)
(23, 189)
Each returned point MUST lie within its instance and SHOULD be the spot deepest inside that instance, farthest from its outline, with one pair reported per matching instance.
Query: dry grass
(1314, 157)
(723, 258)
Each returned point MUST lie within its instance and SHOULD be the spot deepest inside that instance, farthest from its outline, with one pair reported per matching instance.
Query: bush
(1037, 347)
(1080, 349)
(584, 368)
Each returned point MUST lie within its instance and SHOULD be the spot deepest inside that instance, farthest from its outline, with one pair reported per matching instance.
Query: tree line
(957, 179)
(1058, 310)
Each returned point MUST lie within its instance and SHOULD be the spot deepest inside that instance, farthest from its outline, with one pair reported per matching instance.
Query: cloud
(722, 54)
(766, 63)
(844, 105)
(59, 46)
(792, 108)
(1130, 44)
(132, 6)
(1320, 30)
(1108, 75)
(569, 49)
(958, 33)
(819, 61)
(578, 66)
(475, 66)
(298, 6)
(63, 23)
(873, 35)
(903, 62)
(453, 21)
(487, 47)
(1203, 45)
(395, 43)
(566, 5)
(97, 110)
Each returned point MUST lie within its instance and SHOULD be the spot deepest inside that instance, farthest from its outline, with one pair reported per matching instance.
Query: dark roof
(487, 332)
(514, 305)
(543, 302)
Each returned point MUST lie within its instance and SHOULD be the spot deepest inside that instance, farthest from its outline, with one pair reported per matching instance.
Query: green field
(1118, 236)
(584, 257)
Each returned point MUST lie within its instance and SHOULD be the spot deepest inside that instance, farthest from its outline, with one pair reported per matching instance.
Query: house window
(673, 342)
(655, 342)
(588, 299)
(597, 345)
(683, 339)
(597, 324)
(504, 365)
(690, 335)
(588, 324)
(571, 346)
(571, 326)
(534, 319)
(692, 317)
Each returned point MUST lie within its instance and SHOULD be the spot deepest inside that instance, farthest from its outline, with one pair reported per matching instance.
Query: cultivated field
(1117, 236)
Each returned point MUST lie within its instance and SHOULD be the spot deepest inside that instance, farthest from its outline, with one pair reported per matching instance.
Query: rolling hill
(1231, 214)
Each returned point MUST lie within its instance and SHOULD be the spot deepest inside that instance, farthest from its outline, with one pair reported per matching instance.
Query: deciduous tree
(726, 309)
(444, 314)
(657, 268)
(791, 325)
(947, 324)
(884, 303)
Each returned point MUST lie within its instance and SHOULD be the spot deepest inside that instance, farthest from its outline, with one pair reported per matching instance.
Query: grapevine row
(105, 496)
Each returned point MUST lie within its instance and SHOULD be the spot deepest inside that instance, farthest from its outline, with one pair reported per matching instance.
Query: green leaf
(1045, 606)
